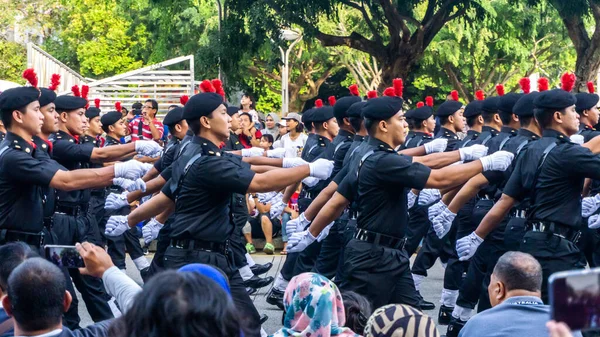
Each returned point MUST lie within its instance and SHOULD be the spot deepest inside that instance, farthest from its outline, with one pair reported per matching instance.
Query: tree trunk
(397, 67)
(586, 68)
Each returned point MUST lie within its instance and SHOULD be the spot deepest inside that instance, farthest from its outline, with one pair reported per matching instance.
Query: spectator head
(137, 106)
(179, 304)
(271, 121)
(171, 107)
(358, 309)
(399, 320)
(282, 125)
(36, 297)
(266, 142)
(150, 108)
(294, 122)
(11, 256)
(313, 306)
(247, 102)
(245, 120)
(515, 274)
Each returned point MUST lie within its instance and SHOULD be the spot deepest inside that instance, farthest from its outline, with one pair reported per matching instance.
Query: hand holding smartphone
(575, 298)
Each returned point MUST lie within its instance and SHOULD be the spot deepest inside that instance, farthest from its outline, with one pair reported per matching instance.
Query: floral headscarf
(313, 308)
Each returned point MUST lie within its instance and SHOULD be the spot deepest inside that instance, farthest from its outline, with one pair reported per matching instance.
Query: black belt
(352, 214)
(557, 229)
(486, 197)
(33, 239)
(379, 239)
(71, 210)
(207, 246)
(49, 222)
(519, 213)
(99, 193)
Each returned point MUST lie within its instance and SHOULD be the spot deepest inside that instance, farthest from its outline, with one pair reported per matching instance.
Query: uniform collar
(586, 127)
(67, 136)
(45, 145)
(346, 135)
(473, 133)
(554, 134)
(528, 134)
(18, 143)
(379, 145)
(110, 140)
(90, 139)
(423, 134)
(207, 146)
(359, 138)
(322, 139)
(509, 130)
(445, 133)
(490, 129)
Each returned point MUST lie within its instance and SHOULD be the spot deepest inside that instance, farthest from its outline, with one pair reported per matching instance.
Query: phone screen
(64, 256)
(575, 299)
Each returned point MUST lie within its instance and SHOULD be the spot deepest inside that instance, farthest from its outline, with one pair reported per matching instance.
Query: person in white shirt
(295, 139)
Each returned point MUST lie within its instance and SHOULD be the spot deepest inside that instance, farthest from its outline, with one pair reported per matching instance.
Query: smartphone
(64, 256)
(575, 298)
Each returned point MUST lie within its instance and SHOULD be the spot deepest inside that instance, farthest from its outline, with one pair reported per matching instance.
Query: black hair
(318, 126)
(356, 123)
(415, 123)
(173, 106)
(194, 125)
(505, 116)
(488, 116)
(124, 108)
(309, 126)
(444, 120)
(340, 121)
(525, 121)
(246, 114)
(12, 255)
(154, 103)
(472, 120)
(358, 310)
(107, 130)
(268, 137)
(36, 290)
(137, 106)
(180, 305)
(370, 125)
(252, 104)
(544, 116)
(519, 270)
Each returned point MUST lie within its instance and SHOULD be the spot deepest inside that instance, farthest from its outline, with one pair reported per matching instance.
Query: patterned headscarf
(313, 308)
(400, 320)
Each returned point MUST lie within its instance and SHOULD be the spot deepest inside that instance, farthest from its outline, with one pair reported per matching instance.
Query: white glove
(590, 205)
(130, 185)
(116, 225)
(436, 145)
(147, 147)
(429, 195)
(473, 152)
(131, 169)
(594, 221)
(150, 230)
(253, 152)
(299, 241)
(296, 225)
(412, 197)
(310, 181)
(265, 198)
(577, 139)
(435, 210)
(276, 153)
(443, 222)
(116, 201)
(324, 232)
(467, 246)
(293, 162)
(321, 168)
(497, 161)
(276, 209)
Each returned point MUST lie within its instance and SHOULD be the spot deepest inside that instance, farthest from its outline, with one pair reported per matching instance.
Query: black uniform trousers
(176, 258)
(348, 235)
(379, 273)
(329, 256)
(587, 244)
(418, 226)
(162, 243)
(433, 247)
(69, 230)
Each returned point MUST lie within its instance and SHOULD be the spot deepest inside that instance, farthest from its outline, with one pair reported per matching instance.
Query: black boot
(257, 282)
(424, 305)
(275, 297)
(259, 269)
(454, 327)
(445, 315)
(251, 291)
(145, 274)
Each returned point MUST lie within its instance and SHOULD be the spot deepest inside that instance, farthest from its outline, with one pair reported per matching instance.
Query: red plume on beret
(354, 90)
(371, 94)
(429, 101)
(54, 82)
(84, 91)
(525, 84)
(500, 89)
(420, 104)
(75, 90)
(31, 77)
(398, 86)
(319, 103)
(591, 88)
(331, 100)
(206, 86)
(454, 95)
(97, 103)
(567, 81)
(218, 85)
(184, 99)
(390, 92)
(118, 106)
(542, 84)
(480, 95)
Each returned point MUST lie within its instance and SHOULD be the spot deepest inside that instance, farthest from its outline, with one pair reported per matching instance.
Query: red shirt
(246, 142)
(145, 134)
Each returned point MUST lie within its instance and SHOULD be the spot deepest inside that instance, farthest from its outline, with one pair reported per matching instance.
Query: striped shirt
(145, 134)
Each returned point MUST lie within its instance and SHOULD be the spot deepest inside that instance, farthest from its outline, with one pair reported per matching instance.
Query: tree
(14, 61)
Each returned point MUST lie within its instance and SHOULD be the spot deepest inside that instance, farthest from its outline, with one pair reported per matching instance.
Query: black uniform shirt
(181, 148)
(487, 134)
(44, 152)
(233, 143)
(322, 149)
(2, 136)
(341, 144)
(588, 132)
(500, 140)
(168, 155)
(451, 136)
(380, 188)
(69, 153)
(87, 139)
(556, 194)
(311, 140)
(203, 201)
(416, 139)
(22, 178)
(470, 139)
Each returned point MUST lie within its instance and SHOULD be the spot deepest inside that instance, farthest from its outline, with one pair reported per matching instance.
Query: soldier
(421, 125)
(452, 120)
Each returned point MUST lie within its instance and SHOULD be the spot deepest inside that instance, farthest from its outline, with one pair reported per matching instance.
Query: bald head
(519, 271)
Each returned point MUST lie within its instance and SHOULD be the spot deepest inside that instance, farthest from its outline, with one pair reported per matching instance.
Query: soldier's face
(75, 121)
(220, 122)
(95, 127)
(235, 122)
(459, 120)
(593, 115)
(429, 124)
(120, 128)
(397, 128)
(50, 119)
(332, 127)
(32, 120)
(570, 121)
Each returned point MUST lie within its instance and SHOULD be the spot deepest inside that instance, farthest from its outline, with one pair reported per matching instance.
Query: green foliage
(14, 60)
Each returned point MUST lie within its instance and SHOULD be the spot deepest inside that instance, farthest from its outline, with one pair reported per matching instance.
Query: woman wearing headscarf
(271, 125)
(313, 307)
(400, 320)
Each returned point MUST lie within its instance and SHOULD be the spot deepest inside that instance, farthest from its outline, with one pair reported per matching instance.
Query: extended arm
(438, 160)
(83, 179)
(454, 175)
(149, 209)
(317, 204)
(467, 192)
(331, 211)
(278, 179)
(495, 216)
(112, 153)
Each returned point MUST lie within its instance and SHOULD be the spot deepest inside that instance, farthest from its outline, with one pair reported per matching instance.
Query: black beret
(174, 116)
(524, 106)
(423, 112)
(474, 108)
(110, 118)
(508, 101)
(322, 114)
(232, 110)
(340, 109)
(585, 101)
(202, 105)
(490, 104)
(307, 116)
(47, 96)
(554, 99)
(92, 112)
(355, 110)
(16, 98)
(448, 108)
(382, 108)
(68, 103)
